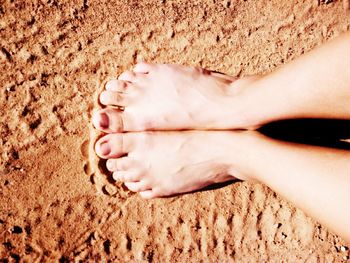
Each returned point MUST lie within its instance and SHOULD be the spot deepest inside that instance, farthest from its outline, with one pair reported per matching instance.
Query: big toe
(111, 120)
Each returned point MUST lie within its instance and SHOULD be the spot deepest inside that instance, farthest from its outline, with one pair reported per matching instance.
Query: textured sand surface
(56, 201)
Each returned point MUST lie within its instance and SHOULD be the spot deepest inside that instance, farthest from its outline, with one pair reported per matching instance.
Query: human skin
(173, 97)
(315, 179)
(168, 97)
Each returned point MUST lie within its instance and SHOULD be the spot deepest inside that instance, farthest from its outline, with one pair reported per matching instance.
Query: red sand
(55, 203)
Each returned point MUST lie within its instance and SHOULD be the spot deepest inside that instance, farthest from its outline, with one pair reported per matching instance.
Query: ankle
(261, 99)
(243, 153)
(243, 104)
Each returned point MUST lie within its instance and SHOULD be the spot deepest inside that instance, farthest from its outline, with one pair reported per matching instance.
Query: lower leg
(316, 85)
(315, 179)
(171, 97)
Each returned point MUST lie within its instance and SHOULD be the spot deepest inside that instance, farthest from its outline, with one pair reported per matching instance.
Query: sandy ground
(57, 203)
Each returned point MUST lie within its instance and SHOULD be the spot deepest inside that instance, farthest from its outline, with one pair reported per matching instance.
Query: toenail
(115, 177)
(103, 96)
(110, 165)
(104, 121)
(105, 148)
(109, 85)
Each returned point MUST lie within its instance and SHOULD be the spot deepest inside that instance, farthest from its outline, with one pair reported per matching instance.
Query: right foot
(168, 163)
(172, 97)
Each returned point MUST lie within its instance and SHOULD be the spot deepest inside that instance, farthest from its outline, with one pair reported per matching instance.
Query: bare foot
(172, 97)
(167, 163)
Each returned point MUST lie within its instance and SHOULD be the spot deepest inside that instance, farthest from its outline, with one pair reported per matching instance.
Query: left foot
(172, 97)
(167, 163)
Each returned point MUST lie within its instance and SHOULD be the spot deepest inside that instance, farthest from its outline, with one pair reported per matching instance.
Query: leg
(315, 179)
(171, 97)
(317, 85)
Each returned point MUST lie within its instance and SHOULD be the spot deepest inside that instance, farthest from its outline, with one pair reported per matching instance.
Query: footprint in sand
(84, 149)
(95, 167)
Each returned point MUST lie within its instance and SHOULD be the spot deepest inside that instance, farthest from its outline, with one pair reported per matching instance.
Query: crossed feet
(147, 112)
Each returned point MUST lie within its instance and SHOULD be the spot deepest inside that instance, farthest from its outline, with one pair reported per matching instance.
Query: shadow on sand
(319, 132)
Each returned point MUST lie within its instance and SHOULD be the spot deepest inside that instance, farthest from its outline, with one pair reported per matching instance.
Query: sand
(56, 201)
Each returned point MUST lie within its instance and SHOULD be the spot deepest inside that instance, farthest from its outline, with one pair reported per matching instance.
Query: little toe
(115, 98)
(116, 85)
(113, 146)
(137, 186)
(148, 194)
(143, 67)
(127, 176)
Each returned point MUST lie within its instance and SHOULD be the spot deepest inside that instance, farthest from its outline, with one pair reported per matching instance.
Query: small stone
(343, 248)
(170, 33)
(24, 54)
(118, 38)
(227, 3)
(11, 88)
(16, 230)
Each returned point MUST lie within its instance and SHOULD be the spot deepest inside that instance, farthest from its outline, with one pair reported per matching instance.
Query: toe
(113, 146)
(137, 186)
(148, 194)
(112, 120)
(115, 98)
(127, 176)
(120, 164)
(116, 85)
(143, 67)
(128, 76)
(100, 120)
